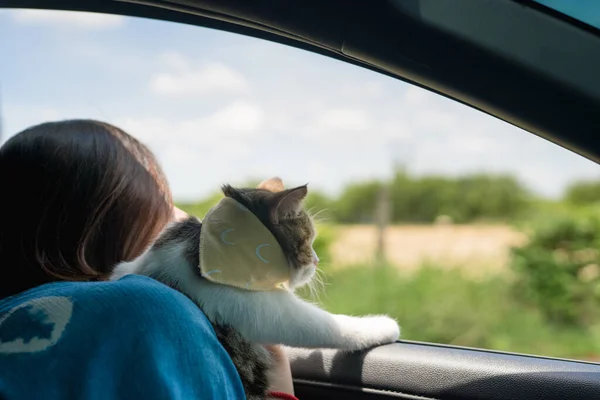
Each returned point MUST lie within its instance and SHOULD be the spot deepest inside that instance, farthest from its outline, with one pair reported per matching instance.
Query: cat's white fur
(274, 317)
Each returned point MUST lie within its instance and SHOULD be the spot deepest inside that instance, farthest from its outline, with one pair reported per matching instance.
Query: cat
(244, 320)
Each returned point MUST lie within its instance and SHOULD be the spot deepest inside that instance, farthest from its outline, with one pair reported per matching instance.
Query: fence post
(382, 217)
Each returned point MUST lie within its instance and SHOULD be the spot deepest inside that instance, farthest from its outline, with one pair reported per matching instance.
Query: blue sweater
(130, 339)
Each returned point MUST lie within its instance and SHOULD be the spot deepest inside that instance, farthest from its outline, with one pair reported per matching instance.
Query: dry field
(473, 248)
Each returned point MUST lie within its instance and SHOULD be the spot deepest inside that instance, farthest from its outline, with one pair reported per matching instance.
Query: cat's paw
(364, 332)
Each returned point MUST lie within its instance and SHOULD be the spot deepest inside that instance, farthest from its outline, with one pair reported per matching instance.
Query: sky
(218, 108)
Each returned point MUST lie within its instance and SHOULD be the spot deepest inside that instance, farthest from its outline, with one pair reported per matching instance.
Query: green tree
(497, 197)
(417, 199)
(583, 193)
(558, 270)
(420, 199)
(357, 203)
(465, 199)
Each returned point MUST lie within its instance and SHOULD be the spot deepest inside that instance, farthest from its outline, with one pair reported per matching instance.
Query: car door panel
(406, 369)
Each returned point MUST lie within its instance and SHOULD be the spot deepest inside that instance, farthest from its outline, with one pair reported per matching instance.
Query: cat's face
(281, 211)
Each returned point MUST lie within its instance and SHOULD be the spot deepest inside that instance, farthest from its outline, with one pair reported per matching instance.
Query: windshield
(586, 11)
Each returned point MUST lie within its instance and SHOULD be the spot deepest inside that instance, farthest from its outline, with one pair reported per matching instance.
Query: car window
(467, 230)
(587, 11)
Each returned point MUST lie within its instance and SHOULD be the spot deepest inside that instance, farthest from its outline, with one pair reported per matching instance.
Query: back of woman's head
(77, 198)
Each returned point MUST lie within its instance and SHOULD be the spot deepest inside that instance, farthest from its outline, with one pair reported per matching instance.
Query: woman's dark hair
(77, 197)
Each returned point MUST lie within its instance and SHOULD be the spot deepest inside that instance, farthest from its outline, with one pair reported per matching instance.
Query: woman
(78, 197)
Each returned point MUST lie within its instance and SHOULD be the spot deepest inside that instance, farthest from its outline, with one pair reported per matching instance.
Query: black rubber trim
(305, 389)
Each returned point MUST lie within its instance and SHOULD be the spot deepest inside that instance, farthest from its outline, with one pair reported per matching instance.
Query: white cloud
(176, 61)
(150, 130)
(437, 120)
(362, 90)
(238, 121)
(67, 18)
(355, 124)
(20, 117)
(416, 96)
(238, 117)
(470, 144)
(395, 129)
(200, 154)
(343, 120)
(185, 79)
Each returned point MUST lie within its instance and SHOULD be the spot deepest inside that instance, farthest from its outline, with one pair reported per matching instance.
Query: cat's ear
(274, 185)
(288, 202)
(229, 191)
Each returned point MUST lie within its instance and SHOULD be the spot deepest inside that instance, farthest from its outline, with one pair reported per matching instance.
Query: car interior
(516, 60)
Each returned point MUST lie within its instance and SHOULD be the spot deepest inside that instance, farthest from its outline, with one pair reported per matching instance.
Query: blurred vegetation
(322, 244)
(583, 193)
(548, 303)
(558, 270)
(423, 199)
(440, 305)
(200, 208)
(417, 199)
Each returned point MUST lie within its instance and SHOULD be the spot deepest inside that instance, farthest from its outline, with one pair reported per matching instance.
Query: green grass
(442, 306)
